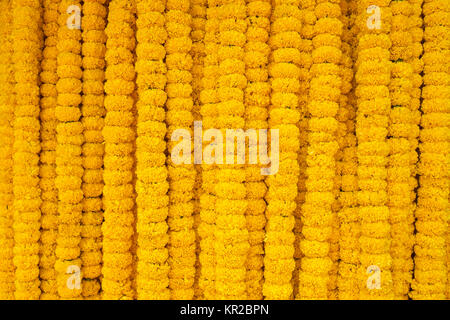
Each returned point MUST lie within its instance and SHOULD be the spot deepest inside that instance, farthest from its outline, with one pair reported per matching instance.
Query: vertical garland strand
(27, 44)
(152, 185)
(430, 274)
(372, 77)
(283, 115)
(198, 13)
(208, 111)
(118, 161)
(179, 105)
(47, 171)
(69, 166)
(416, 62)
(257, 100)
(324, 95)
(93, 112)
(231, 234)
(6, 154)
(401, 209)
(348, 214)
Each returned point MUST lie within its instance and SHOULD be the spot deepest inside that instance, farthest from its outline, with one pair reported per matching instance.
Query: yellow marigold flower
(430, 275)
(118, 191)
(7, 286)
(151, 195)
(27, 192)
(49, 122)
(371, 131)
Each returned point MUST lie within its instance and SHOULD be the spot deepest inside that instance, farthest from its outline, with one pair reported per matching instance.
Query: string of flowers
(415, 60)
(198, 13)
(179, 106)
(93, 112)
(152, 185)
(400, 190)
(6, 154)
(284, 114)
(69, 165)
(47, 171)
(430, 274)
(231, 234)
(257, 100)
(118, 161)
(304, 62)
(27, 43)
(324, 94)
(208, 99)
(349, 229)
(372, 77)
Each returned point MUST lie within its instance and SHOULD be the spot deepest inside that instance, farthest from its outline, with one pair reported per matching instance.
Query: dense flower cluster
(323, 105)
(98, 96)
(69, 162)
(430, 273)
(283, 115)
(401, 131)
(6, 153)
(152, 186)
(208, 112)
(182, 245)
(118, 161)
(373, 103)
(198, 14)
(346, 168)
(47, 171)
(257, 100)
(93, 112)
(26, 44)
(231, 235)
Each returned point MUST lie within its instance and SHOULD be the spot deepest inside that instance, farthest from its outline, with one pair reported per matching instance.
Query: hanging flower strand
(430, 274)
(93, 112)
(152, 186)
(257, 100)
(118, 161)
(400, 190)
(373, 70)
(27, 44)
(47, 172)
(6, 154)
(69, 166)
(283, 115)
(208, 111)
(179, 105)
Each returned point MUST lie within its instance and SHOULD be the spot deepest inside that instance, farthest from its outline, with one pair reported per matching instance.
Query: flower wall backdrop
(95, 204)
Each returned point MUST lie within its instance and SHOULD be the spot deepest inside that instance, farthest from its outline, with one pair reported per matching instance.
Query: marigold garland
(47, 172)
(7, 287)
(401, 131)
(208, 99)
(93, 112)
(324, 95)
(27, 44)
(430, 275)
(257, 99)
(182, 246)
(118, 161)
(69, 165)
(94, 206)
(152, 186)
(373, 77)
(283, 115)
(198, 13)
(346, 169)
(231, 234)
